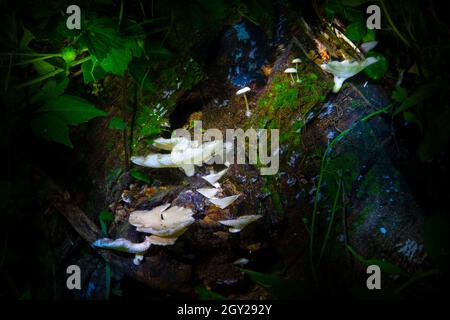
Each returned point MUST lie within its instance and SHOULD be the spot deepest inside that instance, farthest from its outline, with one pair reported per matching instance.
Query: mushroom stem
(246, 105)
(296, 68)
(292, 77)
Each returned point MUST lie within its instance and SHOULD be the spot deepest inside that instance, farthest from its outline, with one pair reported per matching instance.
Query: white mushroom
(240, 223)
(346, 69)
(222, 203)
(168, 144)
(123, 245)
(291, 71)
(161, 221)
(208, 192)
(138, 259)
(244, 91)
(297, 61)
(212, 178)
(184, 154)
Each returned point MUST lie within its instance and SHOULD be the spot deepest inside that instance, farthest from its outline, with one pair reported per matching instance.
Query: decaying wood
(158, 272)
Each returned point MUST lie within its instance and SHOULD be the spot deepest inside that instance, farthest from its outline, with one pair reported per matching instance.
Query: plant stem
(391, 23)
(246, 104)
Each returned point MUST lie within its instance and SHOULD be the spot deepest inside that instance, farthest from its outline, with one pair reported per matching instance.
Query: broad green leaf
(101, 36)
(356, 31)
(117, 123)
(71, 109)
(26, 38)
(92, 71)
(205, 294)
(417, 97)
(369, 36)
(51, 90)
(378, 69)
(52, 128)
(399, 94)
(277, 286)
(385, 266)
(43, 67)
(139, 175)
(116, 61)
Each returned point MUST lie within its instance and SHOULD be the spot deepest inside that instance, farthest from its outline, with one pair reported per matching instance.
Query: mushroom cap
(208, 192)
(122, 244)
(290, 70)
(297, 60)
(168, 144)
(222, 203)
(161, 221)
(346, 69)
(241, 222)
(242, 91)
(214, 177)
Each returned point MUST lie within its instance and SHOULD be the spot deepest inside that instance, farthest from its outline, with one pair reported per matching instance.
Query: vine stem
(323, 166)
(392, 24)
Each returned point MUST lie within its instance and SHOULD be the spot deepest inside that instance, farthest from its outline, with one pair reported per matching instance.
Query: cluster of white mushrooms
(164, 224)
(291, 71)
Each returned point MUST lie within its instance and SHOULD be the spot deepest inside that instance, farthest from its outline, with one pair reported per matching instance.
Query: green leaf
(71, 109)
(378, 69)
(117, 124)
(424, 92)
(50, 90)
(100, 37)
(205, 294)
(52, 128)
(116, 61)
(278, 287)
(399, 94)
(43, 67)
(356, 31)
(92, 71)
(385, 266)
(369, 36)
(139, 175)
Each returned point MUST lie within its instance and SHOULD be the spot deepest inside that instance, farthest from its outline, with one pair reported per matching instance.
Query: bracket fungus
(291, 71)
(184, 154)
(244, 91)
(240, 223)
(138, 249)
(212, 178)
(222, 203)
(342, 70)
(208, 192)
(162, 221)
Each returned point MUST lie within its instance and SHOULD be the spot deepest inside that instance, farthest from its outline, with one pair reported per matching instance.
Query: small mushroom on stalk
(243, 91)
(297, 61)
(291, 71)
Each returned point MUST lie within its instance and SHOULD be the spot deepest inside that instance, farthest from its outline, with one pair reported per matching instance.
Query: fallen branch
(158, 272)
